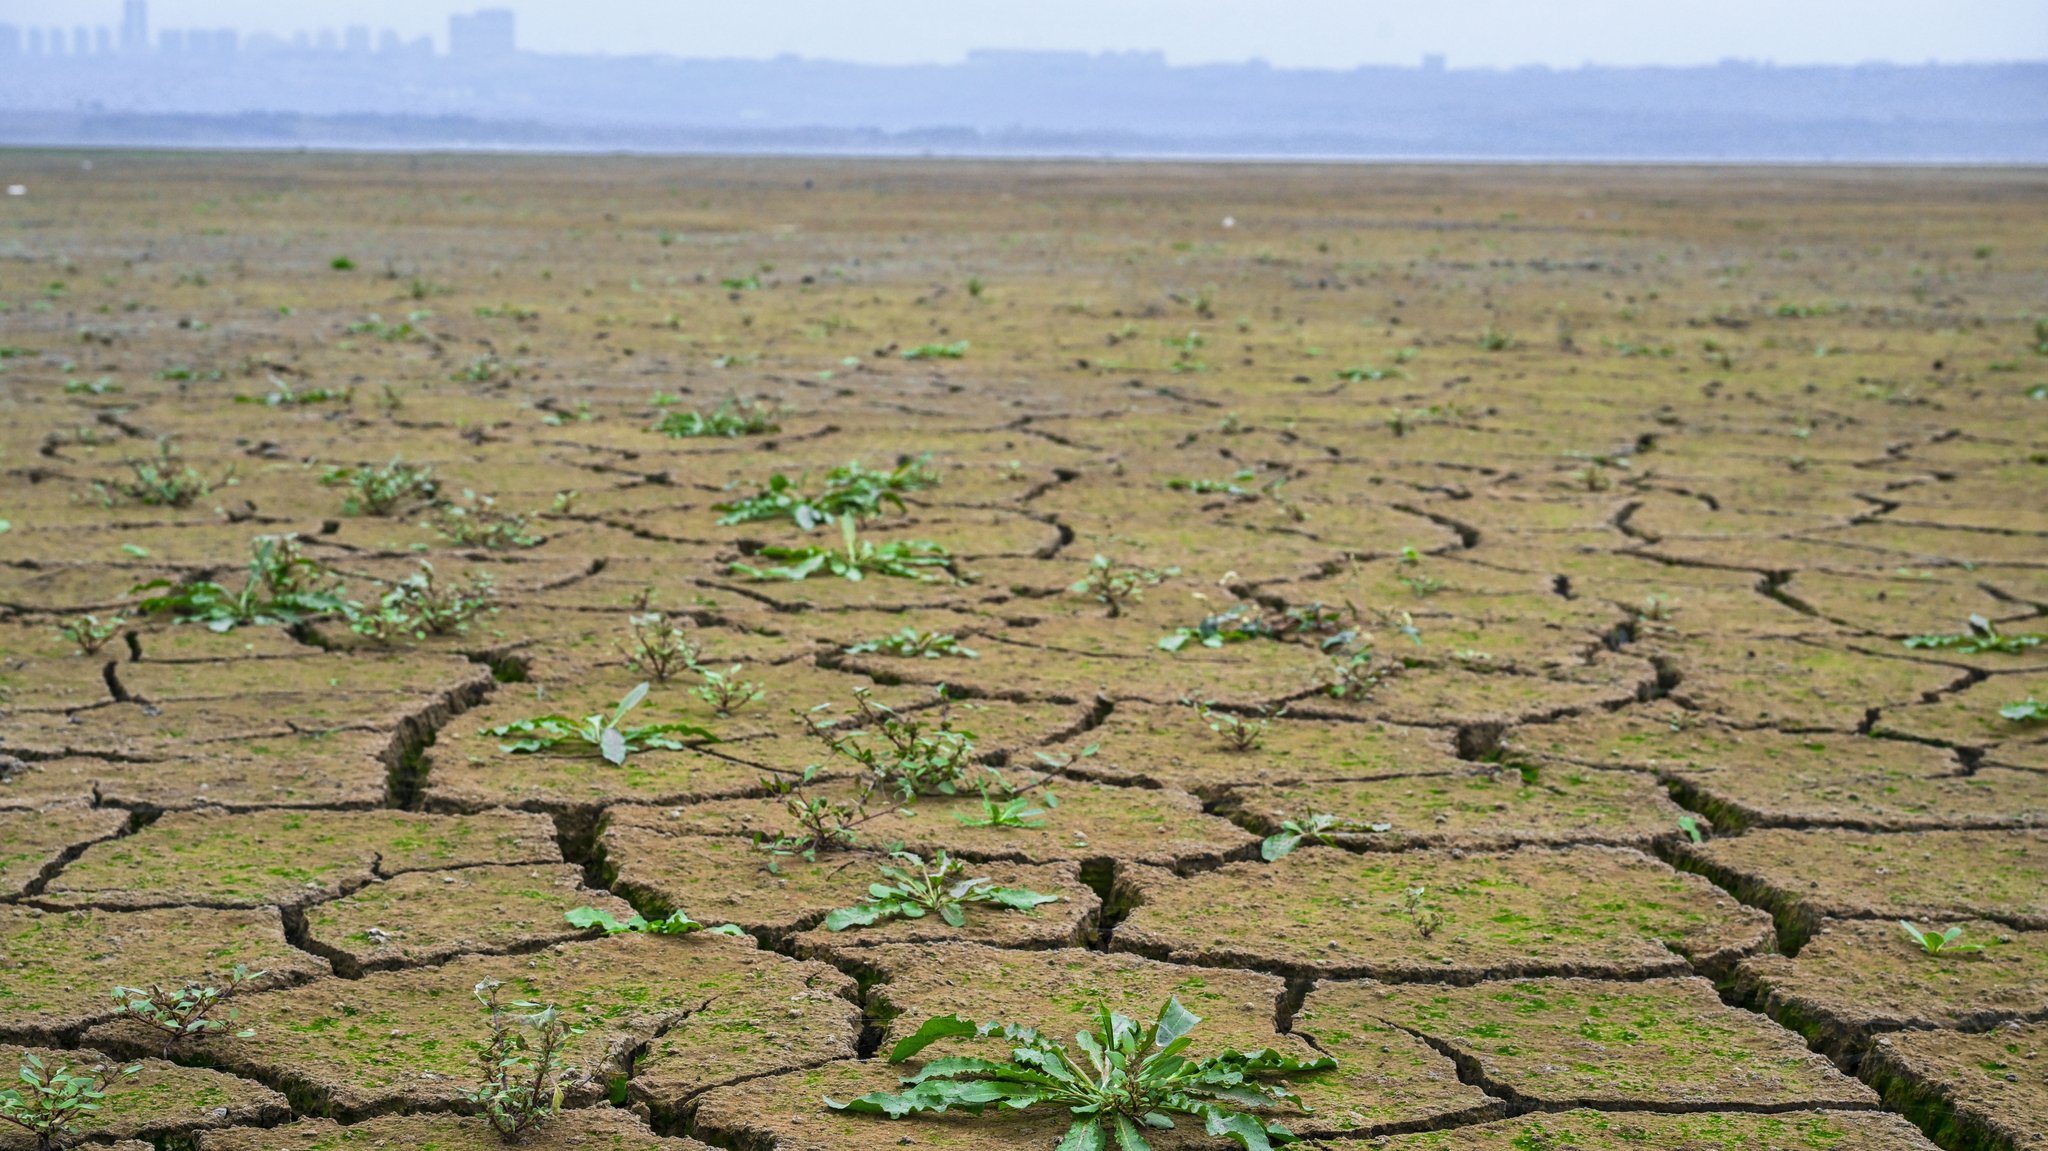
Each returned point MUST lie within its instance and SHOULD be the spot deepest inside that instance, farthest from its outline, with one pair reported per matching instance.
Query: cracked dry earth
(1633, 483)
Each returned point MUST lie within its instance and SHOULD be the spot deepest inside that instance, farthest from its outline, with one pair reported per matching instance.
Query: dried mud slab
(161, 1102)
(1662, 1044)
(398, 1039)
(1761, 778)
(1092, 822)
(1385, 1079)
(787, 1112)
(1968, 718)
(1171, 747)
(461, 777)
(719, 879)
(1706, 1131)
(1799, 685)
(56, 685)
(34, 844)
(311, 769)
(1968, 1090)
(415, 673)
(580, 1129)
(1805, 876)
(1462, 697)
(427, 917)
(1475, 810)
(1592, 911)
(1855, 978)
(288, 858)
(58, 968)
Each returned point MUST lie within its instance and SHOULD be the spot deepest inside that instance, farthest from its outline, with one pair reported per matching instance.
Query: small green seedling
(677, 923)
(525, 1072)
(185, 1012)
(658, 646)
(1115, 585)
(1691, 827)
(730, 420)
(823, 824)
(1942, 944)
(911, 643)
(724, 690)
(379, 491)
(1982, 637)
(283, 395)
(599, 733)
(1015, 811)
(1238, 732)
(919, 560)
(1316, 828)
(916, 889)
(2028, 710)
(1358, 675)
(50, 1102)
(903, 753)
(1129, 1077)
(1235, 624)
(477, 522)
(1426, 918)
(89, 633)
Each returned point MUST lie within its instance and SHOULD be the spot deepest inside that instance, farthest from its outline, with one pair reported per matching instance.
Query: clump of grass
(379, 491)
(913, 889)
(730, 420)
(605, 735)
(910, 643)
(162, 481)
(658, 646)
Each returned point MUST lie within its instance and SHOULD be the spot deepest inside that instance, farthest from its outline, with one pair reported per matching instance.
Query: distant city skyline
(1285, 33)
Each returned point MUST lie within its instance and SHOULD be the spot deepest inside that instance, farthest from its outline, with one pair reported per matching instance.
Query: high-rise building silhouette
(484, 34)
(134, 25)
(10, 40)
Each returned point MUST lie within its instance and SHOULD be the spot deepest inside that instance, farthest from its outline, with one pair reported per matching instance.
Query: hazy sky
(1310, 33)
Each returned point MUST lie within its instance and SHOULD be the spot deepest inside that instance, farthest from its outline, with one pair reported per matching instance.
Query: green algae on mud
(1092, 822)
(1323, 912)
(1474, 811)
(33, 844)
(1805, 876)
(218, 859)
(1972, 1092)
(62, 965)
(720, 879)
(162, 1102)
(426, 917)
(1659, 1044)
(408, 1039)
(1700, 1131)
(1856, 978)
(582, 1129)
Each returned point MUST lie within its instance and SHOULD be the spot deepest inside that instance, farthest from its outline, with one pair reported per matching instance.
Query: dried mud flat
(1561, 533)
